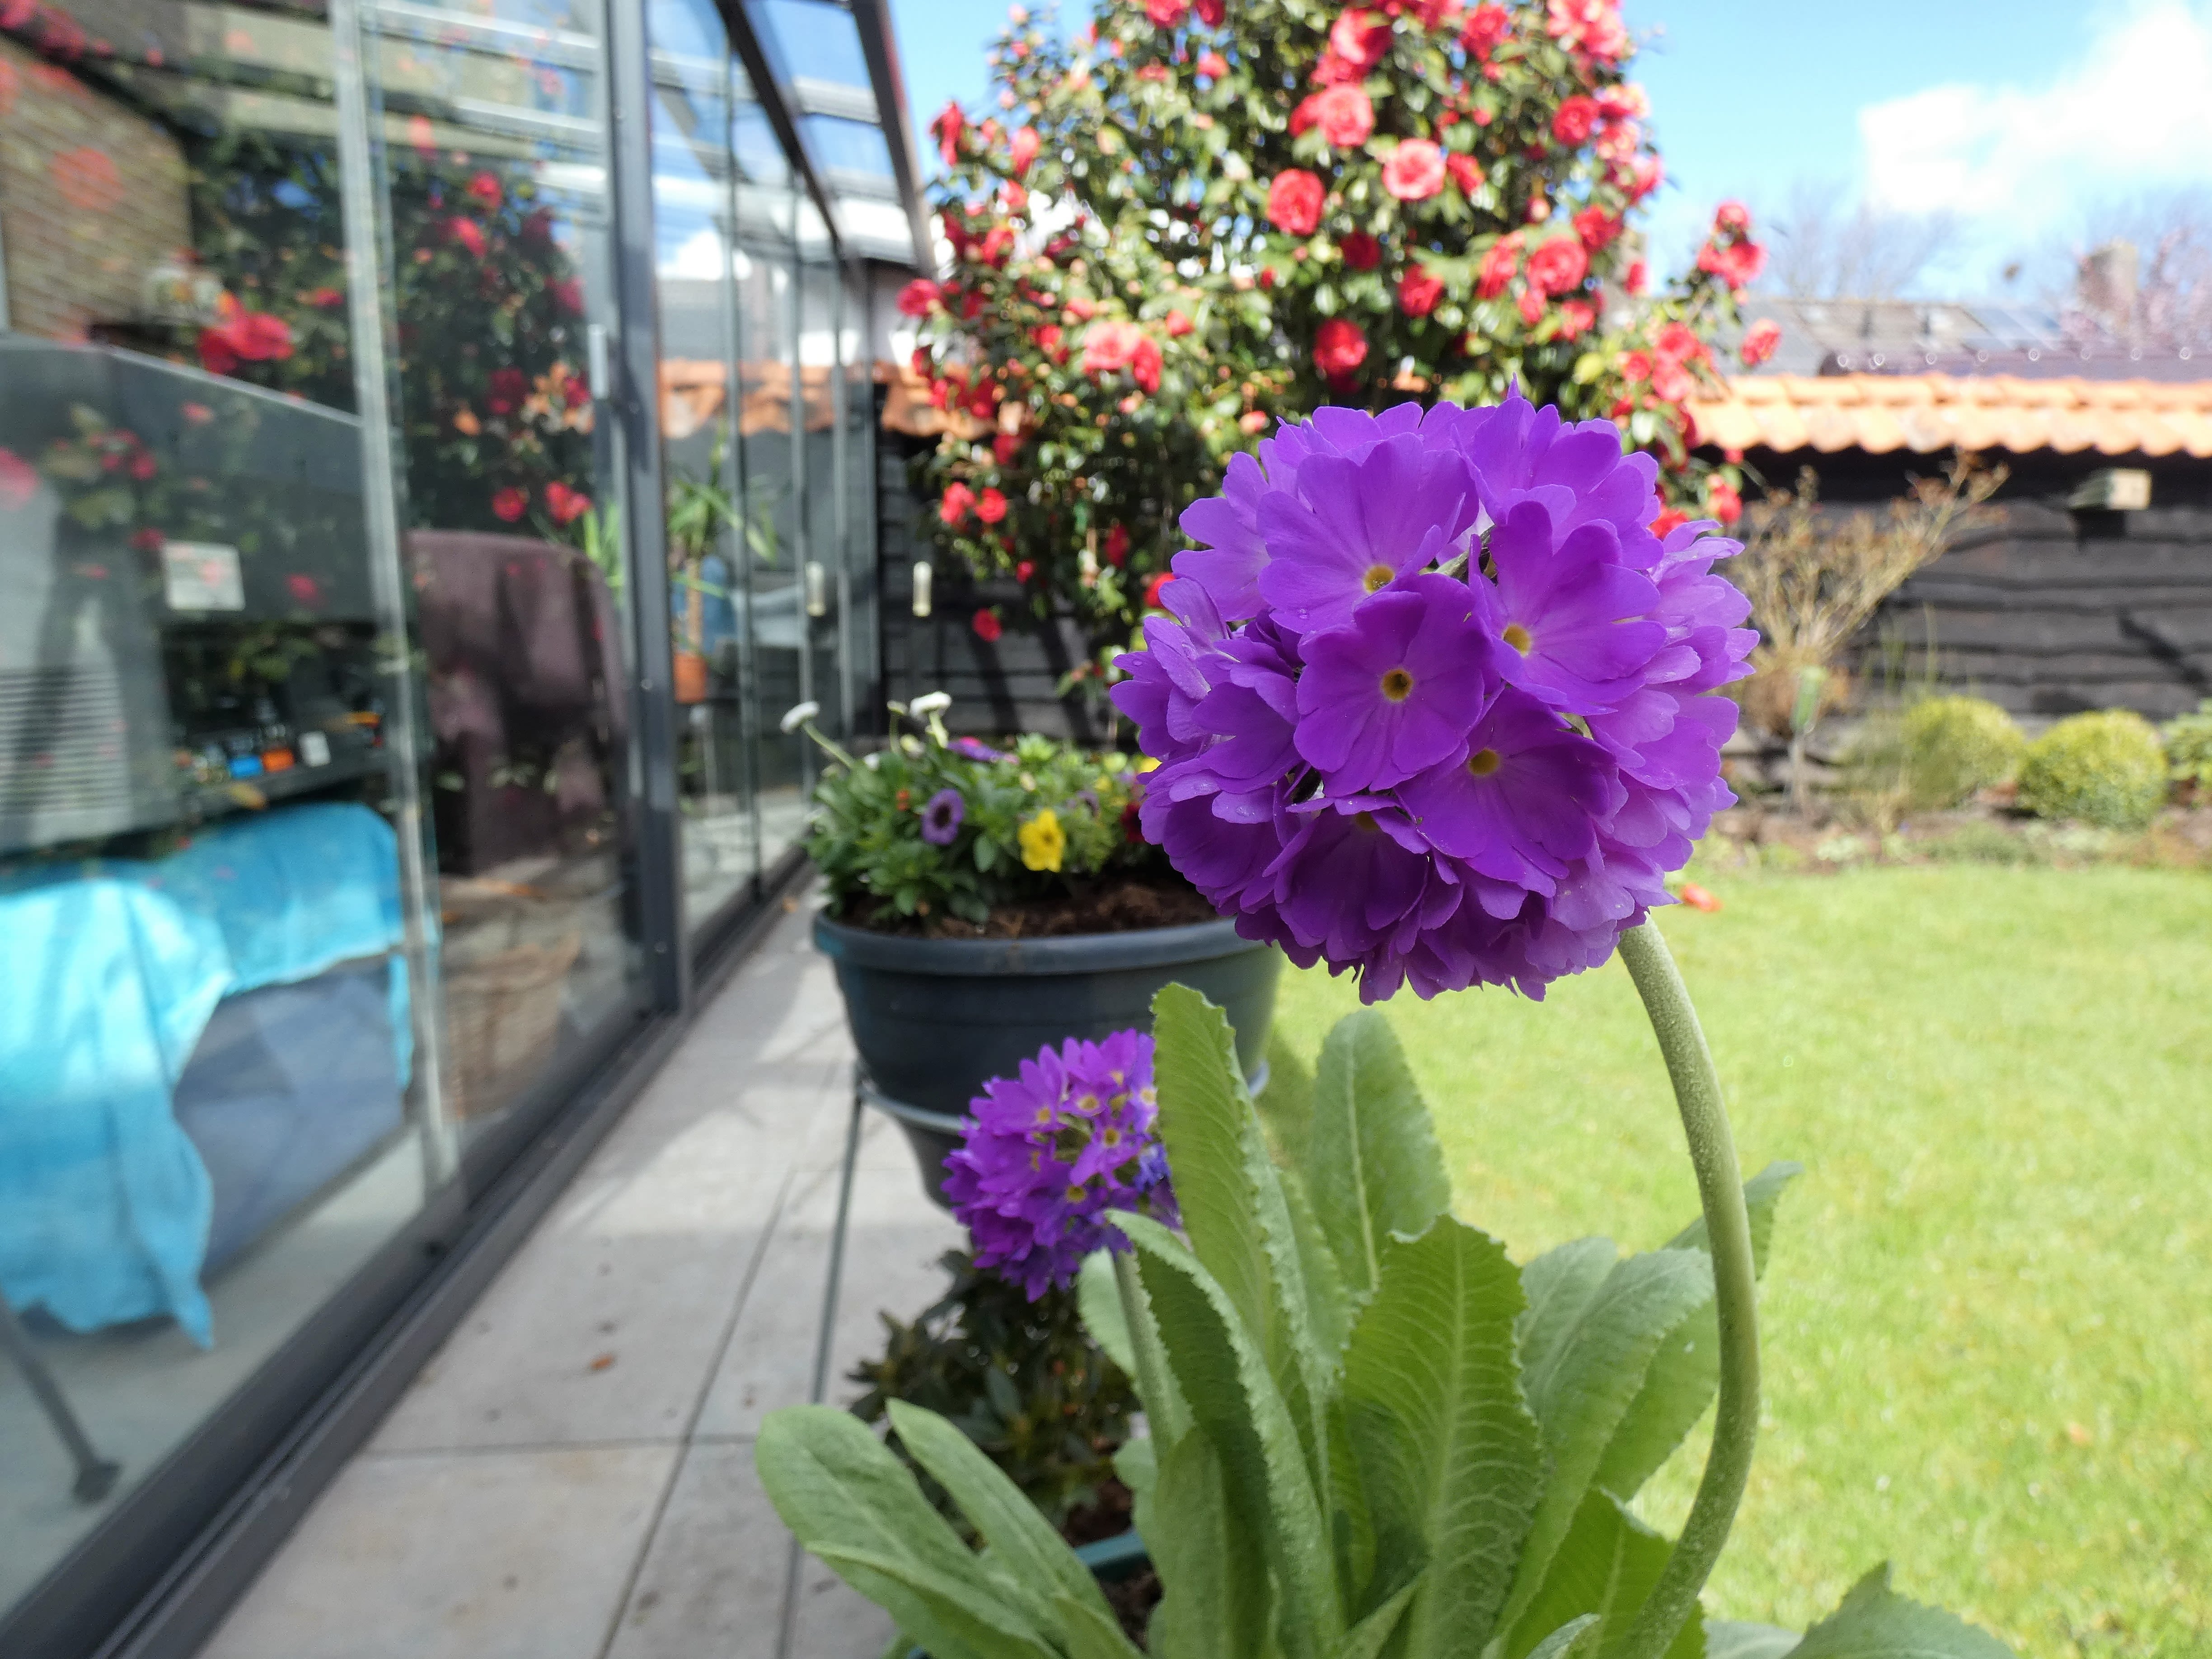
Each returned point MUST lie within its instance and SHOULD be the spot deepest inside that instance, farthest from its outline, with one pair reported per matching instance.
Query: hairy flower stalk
(1736, 1291)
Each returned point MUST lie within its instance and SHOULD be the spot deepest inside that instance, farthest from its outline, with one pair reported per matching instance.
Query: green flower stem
(1735, 1286)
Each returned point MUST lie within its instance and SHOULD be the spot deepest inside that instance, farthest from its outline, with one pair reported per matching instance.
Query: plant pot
(935, 1019)
(691, 677)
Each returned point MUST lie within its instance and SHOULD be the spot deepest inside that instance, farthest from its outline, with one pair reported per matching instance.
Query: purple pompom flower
(1048, 1154)
(1435, 702)
(941, 817)
(973, 749)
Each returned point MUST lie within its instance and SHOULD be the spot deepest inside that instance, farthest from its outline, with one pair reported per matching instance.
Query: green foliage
(1020, 1379)
(2107, 768)
(1448, 1479)
(1032, 822)
(1956, 745)
(2189, 748)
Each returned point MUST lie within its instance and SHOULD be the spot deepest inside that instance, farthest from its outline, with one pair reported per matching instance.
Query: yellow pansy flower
(1042, 841)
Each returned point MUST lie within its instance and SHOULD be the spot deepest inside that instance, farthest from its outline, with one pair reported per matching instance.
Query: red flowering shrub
(1414, 196)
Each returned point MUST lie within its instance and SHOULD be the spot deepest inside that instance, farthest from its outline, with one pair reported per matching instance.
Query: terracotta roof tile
(1880, 413)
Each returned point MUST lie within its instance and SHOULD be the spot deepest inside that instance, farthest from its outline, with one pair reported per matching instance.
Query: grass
(1988, 1318)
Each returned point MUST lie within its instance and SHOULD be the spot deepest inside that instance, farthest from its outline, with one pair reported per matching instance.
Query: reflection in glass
(210, 1111)
(494, 210)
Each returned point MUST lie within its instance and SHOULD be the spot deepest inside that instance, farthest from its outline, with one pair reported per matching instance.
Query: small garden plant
(2106, 769)
(933, 827)
(1954, 746)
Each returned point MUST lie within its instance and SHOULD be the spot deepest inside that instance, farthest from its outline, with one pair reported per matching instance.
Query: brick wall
(92, 194)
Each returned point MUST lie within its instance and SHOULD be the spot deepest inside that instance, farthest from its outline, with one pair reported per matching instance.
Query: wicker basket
(502, 1015)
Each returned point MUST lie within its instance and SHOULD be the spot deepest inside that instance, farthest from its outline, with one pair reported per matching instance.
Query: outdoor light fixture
(2113, 489)
(922, 587)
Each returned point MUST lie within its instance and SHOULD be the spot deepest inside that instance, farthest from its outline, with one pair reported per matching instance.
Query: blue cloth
(112, 971)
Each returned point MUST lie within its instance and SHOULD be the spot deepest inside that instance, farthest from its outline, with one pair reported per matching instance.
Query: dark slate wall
(998, 687)
(2046, 611)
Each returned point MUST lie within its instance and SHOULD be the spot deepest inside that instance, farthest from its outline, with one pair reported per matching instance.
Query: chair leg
(95, 1475)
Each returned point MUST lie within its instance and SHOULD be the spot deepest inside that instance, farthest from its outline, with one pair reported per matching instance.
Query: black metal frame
(157, 1574)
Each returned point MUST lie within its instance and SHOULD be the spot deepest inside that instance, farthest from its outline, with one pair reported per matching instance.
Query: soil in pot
(1117, 904)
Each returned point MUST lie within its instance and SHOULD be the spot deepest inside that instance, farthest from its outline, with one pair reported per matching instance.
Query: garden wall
(2044, 609)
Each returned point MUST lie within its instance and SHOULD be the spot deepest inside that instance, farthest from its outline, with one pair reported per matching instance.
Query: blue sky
(2016, 117)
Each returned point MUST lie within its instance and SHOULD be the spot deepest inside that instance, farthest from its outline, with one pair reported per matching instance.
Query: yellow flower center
(1518, 638)
(1377, 576)
(1397, 685)
(1075, 1195)
(1483, 763)
(1364, 821)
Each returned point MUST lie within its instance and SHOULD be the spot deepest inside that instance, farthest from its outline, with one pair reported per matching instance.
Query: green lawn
(1988, 1317)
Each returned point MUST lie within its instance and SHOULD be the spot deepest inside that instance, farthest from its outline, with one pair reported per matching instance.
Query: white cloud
(2136, 111)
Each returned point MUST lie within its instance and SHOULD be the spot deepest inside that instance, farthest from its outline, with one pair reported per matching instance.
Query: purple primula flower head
(973, 749)
(1048, 1154)
(1436, 704)
(941, 817)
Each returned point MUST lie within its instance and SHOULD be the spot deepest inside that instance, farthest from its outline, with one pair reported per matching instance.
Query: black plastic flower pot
(934, 1019)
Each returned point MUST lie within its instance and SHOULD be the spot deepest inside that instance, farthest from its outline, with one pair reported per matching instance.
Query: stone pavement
(572, 1476)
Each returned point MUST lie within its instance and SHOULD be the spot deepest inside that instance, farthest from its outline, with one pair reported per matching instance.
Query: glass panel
(861, 635)
(494, 199)
(692, 205)
(211, 1108)
(768, 416)
(823, 554)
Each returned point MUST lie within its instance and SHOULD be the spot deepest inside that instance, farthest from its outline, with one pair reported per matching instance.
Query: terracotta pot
(691, 677)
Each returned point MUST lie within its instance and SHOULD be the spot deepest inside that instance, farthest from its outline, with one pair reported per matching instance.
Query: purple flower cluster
(1048, 1154)
(1432, 702)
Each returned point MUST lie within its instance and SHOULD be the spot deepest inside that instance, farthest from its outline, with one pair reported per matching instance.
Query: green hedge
(2106, 769)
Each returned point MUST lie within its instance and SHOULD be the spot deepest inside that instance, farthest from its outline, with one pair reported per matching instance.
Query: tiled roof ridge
(1924, 413)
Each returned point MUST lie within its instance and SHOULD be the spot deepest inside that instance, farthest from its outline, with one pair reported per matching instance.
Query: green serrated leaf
(1213, 1575)
(1021, 1538)
(1452, 1460)
(1373, 1167)
(1728, 1640)
(840, 1490)
(1328, 1305)
(1367, 1639)
(1874, 1622)
(1605, 1566)
(1099, 1300)
(1684, 1370)
(1231, 1394)
(1583, 1384)
(1577, 1639)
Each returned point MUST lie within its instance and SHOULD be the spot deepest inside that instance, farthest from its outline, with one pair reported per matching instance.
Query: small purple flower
(941, 818)
(1393, 692)
(1048, 1154)
(1435, 704)
(970, 749)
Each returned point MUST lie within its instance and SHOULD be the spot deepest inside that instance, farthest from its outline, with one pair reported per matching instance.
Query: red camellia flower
(1669, 520)
(1760, 341)
(1024, 149)
(1498, 266)
(1117, 547)
(1415, 171)
(1177, 325)
(1419, 292)
(1047, 337)
(987, 626)
(1153, 589)
(509, 504)
(1596, 228)
(1557, 265)
(1576, 318)
(1592, 27)
(567, 292)
(1025, 570)
(1487, 28)
(1213, 65)
(1360, 38)
(1634, 282)
(1361, 251)
(917, 297)
(1107, 347)
(1211, 12)
(991, 507)
(946, 128)
(1678, 343)
(1006, 446)
(1294, 200)
(323, 299)
(566, 505)
(469, 234)
(1531, 305)
(1670, 381)
(1574, 121)
(1338, 347)
(242, 336)
(953, 506)
(1723, 502)
(1144, 364)
(1731, 216)
(1736, 264)
(1465, 172)
(505, 390)
(1167, 14)
(19, 481)
(485, 189)
(1345, 116)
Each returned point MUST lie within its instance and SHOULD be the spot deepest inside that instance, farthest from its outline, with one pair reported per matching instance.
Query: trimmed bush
(2106, 769)
(2189, 748)
(1956, 745)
